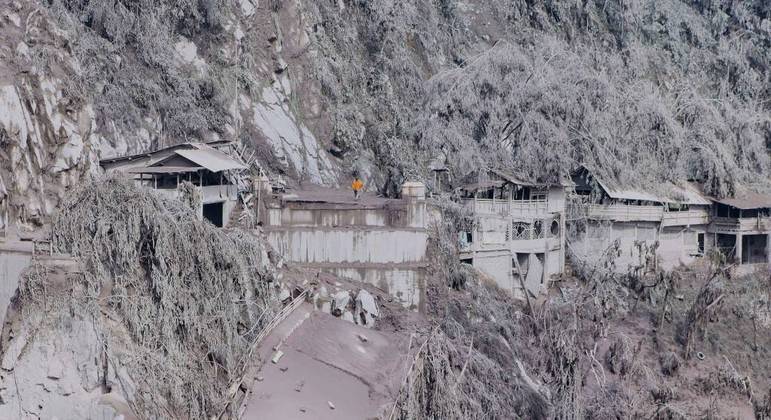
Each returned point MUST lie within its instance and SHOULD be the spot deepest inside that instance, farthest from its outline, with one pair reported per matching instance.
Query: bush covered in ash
(191, 297)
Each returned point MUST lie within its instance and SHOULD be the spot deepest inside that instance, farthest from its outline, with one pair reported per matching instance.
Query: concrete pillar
(738, 248)
(768, 249)
(415, 193)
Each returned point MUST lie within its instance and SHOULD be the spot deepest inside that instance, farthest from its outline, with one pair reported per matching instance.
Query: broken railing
(412, 373)
(240, 381)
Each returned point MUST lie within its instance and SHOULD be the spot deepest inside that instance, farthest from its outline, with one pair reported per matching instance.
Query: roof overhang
(748, 201)
(165, 170)
(185, 145)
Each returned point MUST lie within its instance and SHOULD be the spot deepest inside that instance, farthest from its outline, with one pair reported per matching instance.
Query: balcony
(741, 224)
(504, 208)
(621, 212)
(685, 218)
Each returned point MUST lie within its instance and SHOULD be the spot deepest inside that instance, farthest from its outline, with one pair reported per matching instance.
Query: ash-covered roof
(209, 158)
(746, 201)
(164, 170)
(668, 192)
(186, 145)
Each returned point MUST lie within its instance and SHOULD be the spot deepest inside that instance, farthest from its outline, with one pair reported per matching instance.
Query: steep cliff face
(659, 89)
(46, 138)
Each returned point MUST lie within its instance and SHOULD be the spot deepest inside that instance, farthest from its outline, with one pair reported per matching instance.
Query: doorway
(213, 213)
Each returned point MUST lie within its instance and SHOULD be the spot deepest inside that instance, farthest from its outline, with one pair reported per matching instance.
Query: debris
(277, 356)
(303, 409)
(366, 308)
(283, 295)
(260, 378)
(340, 302)
(679, 297)
(348, 316)
(299, 386)
(700, 355)
(362, 337)
(331, 406)
(284, 369)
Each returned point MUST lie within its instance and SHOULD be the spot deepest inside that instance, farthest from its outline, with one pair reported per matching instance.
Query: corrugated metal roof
(211, 159)
(670, 193)
(746, 201)
(164, 169)
(512, 178)
(164, 149)
(206, 157)
(630, 194)
(689, 194)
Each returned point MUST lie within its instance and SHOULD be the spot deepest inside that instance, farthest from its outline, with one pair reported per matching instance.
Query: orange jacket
(357, 184)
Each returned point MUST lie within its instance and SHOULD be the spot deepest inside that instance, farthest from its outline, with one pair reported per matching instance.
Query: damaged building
(741, 228)
(664, 229)
(374, 240)
(519, 230)
(210, 167)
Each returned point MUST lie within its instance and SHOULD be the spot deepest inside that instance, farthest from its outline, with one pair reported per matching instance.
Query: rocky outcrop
(47, 138)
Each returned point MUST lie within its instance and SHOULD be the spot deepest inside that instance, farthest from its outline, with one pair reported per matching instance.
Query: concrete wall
(556, 203)
(497, 265)
(329, 245)
(679, 245)
(394, 214)
(12, 265)
(593, 244)
(382, 243)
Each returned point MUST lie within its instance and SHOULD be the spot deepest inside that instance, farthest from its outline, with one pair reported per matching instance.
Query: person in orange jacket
(356, 185)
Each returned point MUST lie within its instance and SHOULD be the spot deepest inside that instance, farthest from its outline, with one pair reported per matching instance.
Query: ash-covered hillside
(640, 91)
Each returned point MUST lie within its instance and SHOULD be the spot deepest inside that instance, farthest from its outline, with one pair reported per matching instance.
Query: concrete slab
(325, 360)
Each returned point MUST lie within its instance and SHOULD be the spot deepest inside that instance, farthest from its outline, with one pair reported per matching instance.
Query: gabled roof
(205, 157)
(164, 170)
(186, 145)
(513, 178)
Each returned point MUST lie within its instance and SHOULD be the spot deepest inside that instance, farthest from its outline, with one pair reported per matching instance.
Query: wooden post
(738, 248)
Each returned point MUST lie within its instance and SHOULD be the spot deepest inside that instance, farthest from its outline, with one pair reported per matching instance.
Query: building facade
(215, 175)
(740, 228)
(374, 240)
(664, 231)
(519, 230)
